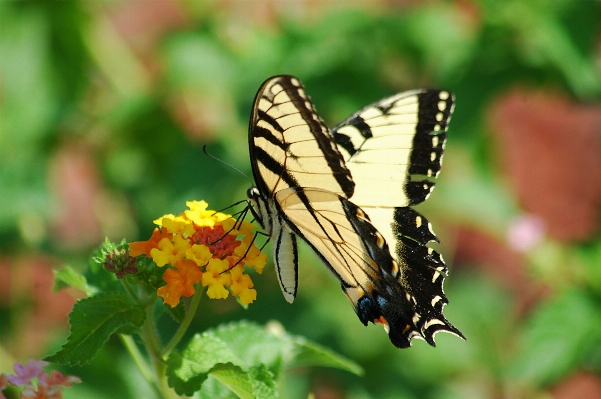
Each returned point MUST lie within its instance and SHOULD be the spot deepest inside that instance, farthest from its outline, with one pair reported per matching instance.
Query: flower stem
(183, 327)
(153, 346)
(136, 355)
(130, 291)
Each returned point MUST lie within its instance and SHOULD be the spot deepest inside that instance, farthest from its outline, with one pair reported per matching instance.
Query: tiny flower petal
(248, 296)
(180, 282)
(57, 378)
(240, 281)
(178, 224)
(25, 373)
(201, 217)
(199, 253)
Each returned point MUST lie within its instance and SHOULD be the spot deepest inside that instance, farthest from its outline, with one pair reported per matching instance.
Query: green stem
(136, 355)
(130, 291)
(153, 346)
(183, 327)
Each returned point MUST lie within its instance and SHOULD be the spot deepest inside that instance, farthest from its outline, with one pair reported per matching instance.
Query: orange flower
(180, 282)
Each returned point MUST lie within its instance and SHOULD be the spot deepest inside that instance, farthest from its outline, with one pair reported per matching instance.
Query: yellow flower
(253, 258)
(176, 224)
(199, 253)
(170, 252)
(241, 285)
(144, 247)
(215, 280)
(201, 217)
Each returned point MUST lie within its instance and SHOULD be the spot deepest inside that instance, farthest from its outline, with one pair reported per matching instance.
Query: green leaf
(69, 277)
(246, 358)
(213, 389)
(93, 320)
(257, 383)
(177, 313)
(308, 353)
(187, 371)
(557, 338)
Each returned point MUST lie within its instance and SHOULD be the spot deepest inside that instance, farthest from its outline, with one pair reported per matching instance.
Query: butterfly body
(346, 192)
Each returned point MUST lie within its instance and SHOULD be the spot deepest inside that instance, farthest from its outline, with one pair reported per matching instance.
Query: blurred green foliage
(133, 90)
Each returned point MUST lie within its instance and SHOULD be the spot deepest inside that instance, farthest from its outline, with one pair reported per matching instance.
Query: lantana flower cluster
(201, 245)
(48, 386)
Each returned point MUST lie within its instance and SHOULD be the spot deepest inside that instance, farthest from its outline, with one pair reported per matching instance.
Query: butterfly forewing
(391, 140)
(290, 145)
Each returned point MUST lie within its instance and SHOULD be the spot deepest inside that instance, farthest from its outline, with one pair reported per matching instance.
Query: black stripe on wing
(435, 109)
(311, 126)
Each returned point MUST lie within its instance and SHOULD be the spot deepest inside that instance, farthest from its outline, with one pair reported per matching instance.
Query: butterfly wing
(393, 148)
(342, 234)
(389, 143)
(290, 146)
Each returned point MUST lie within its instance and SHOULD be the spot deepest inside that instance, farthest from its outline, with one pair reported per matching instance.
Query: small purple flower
(24, 374)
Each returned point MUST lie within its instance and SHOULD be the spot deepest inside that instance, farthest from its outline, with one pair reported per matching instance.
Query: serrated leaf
(264, 382)
(93, 320)
(177, 313)
(69, 277)
(308, 353)
(187, 371)
(256, 345)
(557, 338)
(213, 389)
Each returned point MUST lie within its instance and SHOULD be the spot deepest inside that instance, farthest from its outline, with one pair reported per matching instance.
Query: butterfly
(347, 192)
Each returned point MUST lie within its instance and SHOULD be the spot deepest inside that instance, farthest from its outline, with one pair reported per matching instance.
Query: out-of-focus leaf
(68, 277)
(444, 36)
(556, 337)
(543, 42)
(196, 61)
(590, 258)
(310, 354)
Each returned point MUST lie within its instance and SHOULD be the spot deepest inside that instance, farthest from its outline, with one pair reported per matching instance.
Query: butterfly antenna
(240, 216)
(204, 149)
